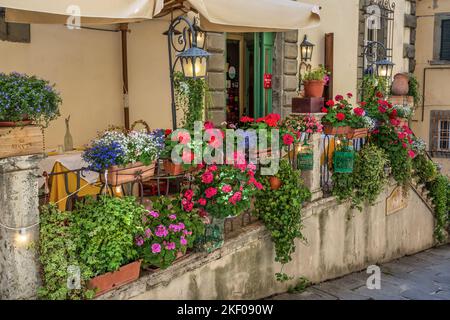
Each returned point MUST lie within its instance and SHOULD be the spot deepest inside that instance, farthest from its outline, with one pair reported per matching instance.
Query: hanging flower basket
(343, 161)
(346, 131)
(132, 172)
(111, 280)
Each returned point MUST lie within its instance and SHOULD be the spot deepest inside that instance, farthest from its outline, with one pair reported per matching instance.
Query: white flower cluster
(137, 145)
(369, 123)
(419, 145)
(403, 111)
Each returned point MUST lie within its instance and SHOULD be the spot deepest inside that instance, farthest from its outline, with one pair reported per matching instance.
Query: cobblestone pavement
(424, 276)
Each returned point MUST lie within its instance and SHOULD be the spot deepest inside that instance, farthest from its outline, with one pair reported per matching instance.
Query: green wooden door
(263, 65)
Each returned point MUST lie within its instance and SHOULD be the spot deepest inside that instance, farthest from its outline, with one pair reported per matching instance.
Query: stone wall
(340, 241)
(216, 45)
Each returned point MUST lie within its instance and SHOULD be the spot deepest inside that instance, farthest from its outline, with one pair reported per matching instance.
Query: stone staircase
(422, 191)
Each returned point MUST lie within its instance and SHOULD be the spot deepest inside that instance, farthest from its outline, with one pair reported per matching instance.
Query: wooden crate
(20, 141)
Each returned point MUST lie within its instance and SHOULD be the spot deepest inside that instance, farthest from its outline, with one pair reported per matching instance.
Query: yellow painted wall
(86, 65)
(341, 18)
(437, 95)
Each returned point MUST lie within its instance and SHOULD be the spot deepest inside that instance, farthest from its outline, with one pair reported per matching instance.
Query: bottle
(68, 140)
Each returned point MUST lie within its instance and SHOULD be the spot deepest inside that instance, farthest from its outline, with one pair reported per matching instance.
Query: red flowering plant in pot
(169, 231)
(343, 119)
(221, 192)
(268, 123)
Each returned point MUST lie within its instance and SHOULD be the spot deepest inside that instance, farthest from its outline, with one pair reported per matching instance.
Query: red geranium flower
(363, 104)
(340, 116)
(339, 98)
(168, 132)
(359, 111)
(349, 95)
(393, 114)
(330, 103)
(288, 139)
(381, 109)
(324, 110)
(246, 119)
(380, 95)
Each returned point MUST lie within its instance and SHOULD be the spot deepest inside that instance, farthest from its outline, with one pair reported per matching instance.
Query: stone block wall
(216, 79)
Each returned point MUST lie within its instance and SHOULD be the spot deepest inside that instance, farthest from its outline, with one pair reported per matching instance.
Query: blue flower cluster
(103, 155)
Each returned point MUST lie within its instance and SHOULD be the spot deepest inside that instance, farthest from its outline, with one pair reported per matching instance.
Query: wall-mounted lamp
(306, 49)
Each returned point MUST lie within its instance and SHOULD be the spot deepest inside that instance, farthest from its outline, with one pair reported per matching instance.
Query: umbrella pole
(126, 109)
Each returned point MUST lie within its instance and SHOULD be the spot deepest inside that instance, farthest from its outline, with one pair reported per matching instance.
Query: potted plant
(343, 119)
(314, 82)
(264, 124)
(169, 230)
(223, 192)
(105, 231)
(29, 104)
(123, 158)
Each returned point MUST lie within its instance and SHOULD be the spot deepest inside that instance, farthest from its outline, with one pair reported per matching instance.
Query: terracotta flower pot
(400, 85)
(172, 169)
(120, 175)
(346, 131)
(111, 280)
(314, 88)
(275, 183)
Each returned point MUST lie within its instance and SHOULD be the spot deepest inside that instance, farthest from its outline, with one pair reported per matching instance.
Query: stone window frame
(436, 119)
(13, 32)
(437, 44)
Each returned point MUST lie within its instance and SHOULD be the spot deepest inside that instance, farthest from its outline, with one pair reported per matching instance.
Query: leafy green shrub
(57, 252)
(366, 182)
(369, 176)
(280, 210)
(439, 191)
(106, 230)
(425, 168)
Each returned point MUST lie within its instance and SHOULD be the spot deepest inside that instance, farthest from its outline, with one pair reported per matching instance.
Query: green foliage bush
(425, 169)
(280, 210)
(106, 229)
(439, 191)
(365, 183)
(57, 251)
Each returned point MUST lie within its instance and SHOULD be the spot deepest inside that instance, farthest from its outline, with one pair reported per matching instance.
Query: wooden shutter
(329, 63)
(445, 41)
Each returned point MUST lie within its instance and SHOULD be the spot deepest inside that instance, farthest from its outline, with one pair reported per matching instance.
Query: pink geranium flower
(207, 177)
(210, 192)
(156, 248)
(227, 188)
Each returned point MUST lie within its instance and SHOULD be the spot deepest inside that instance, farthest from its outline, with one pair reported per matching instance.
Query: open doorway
(249, 65)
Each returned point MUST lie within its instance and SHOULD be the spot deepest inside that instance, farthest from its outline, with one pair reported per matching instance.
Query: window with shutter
(445, 40)
(14, 32)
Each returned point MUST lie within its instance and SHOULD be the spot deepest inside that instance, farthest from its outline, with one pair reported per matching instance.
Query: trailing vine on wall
(440, 191)
(280, 210)
(190, 99)
(365, 184)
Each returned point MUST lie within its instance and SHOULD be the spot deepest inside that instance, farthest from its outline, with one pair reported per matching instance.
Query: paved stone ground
(424, 276)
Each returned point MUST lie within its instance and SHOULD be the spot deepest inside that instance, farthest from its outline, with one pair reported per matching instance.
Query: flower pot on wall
(111, 280)
(314, 88)
(172, 169)
(400, 85)
(121, 175)
(275, 183)
(21, 141)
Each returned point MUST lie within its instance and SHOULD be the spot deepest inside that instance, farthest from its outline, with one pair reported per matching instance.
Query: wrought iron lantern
(200, 36)
(306, 49)
(305, 158)
(188, 46)
(384, 68)
(193, 62)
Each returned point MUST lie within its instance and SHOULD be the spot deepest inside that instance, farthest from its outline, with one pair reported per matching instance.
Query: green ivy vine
(280, 210)
(190, 99)
(414, 89)
(365, 184)
(440, 191)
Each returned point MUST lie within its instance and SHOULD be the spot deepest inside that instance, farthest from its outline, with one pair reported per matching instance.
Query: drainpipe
(425, 84)
(126, 106)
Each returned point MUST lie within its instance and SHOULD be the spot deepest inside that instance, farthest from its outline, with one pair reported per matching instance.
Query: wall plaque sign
(396, 201)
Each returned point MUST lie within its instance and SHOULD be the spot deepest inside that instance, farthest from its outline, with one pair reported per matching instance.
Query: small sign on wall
(267, 81)
(396, 201)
